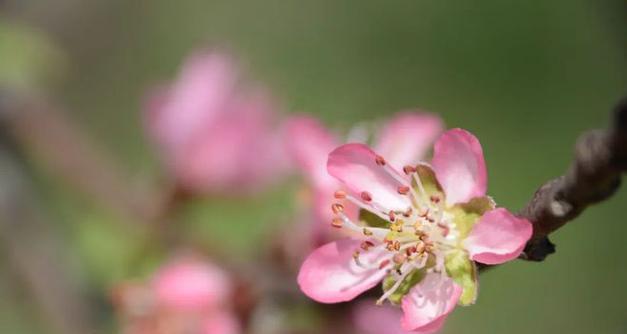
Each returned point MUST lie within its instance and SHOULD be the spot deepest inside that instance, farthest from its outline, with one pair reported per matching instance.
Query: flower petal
(355, 165)
(459, 166)
(370, 318)
(221, 323)
(498, 237)
(331, 275)
(407, 137)
(428, 304)
(309, 144)
(190, 284)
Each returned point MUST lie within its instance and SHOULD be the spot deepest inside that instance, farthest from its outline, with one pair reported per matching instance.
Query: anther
(340, 194)
(366, 196)
(337, 222)
(397, 245)
(421, 248)
(445, 229)
(408, 212)
(366, 245)
(409, 169)
(392, 215)
(337, 208)
(435, 199)
(403, 190)
(379, 160)
(399, 258)
(367, 232)
(383, 264)
(409, 251)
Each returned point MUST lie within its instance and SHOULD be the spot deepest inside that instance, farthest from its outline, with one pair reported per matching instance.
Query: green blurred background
(525, 76)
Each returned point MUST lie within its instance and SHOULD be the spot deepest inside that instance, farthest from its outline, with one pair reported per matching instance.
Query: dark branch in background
(35, 250)
(594, 176)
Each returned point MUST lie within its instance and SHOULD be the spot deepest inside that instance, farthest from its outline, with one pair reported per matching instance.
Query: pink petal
(459, 166)
(309, 144)
(221, 323)
(428, 304)
(369, 318)
(330, 274)
(190, 285)
(498, 237)
(355, 165)
(407, 137)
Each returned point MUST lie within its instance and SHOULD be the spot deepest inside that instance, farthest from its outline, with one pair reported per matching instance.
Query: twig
(594, 176)
(36, 252)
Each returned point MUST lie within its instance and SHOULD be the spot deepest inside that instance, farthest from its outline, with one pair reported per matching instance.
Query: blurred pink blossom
(186, 295)
(215, 133)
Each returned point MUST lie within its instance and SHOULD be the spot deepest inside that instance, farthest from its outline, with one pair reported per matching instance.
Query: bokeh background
(525, 76)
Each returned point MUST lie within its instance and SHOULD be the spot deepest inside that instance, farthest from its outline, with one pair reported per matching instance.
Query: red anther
(337, 222)
(435, 199)
(445, 229)
(408, 212)
(337, 208)
(365, 196)
(397, 245)
(340, 194)
(403, 190)
(379, 160)
(392, 215)
(383, 264)
(366, 245)
(410, 250)
(409, 169)
(399, 258)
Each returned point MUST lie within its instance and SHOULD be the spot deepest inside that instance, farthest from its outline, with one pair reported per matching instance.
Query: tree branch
(594, 176)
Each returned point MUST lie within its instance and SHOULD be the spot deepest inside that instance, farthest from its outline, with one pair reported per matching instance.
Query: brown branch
(36, 252)
(594, 176)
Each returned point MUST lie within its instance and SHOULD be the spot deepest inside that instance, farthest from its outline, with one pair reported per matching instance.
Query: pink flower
(428, 226)
(214, 134)
(405, 139)
(191, 285)
(187, 295)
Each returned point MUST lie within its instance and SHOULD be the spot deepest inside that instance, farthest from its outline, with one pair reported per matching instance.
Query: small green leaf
(372, 220)
(464, 272)
(409, 282)
(467, 214)
(429, 181)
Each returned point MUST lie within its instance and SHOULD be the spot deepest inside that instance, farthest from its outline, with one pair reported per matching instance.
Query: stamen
(337, 208)
(392, 215)
(337, 222)
(409, 169)
(366, 196)
(399, 258)
(367, 232)
(403, 190)
(384, 263)
(379, 160)
(340, 194)
(366, 245)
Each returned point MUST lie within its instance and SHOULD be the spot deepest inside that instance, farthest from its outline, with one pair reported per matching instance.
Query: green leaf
(372, 220)
(464, 272)
(428, 180)
(409, 282)
(467, 214)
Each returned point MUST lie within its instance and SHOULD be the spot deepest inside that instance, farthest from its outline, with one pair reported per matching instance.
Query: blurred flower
(214, 133)
(185, 296)
(427, 226)
(405, 139)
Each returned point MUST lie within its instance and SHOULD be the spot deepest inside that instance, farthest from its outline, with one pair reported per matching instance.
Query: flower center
(419, 237)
